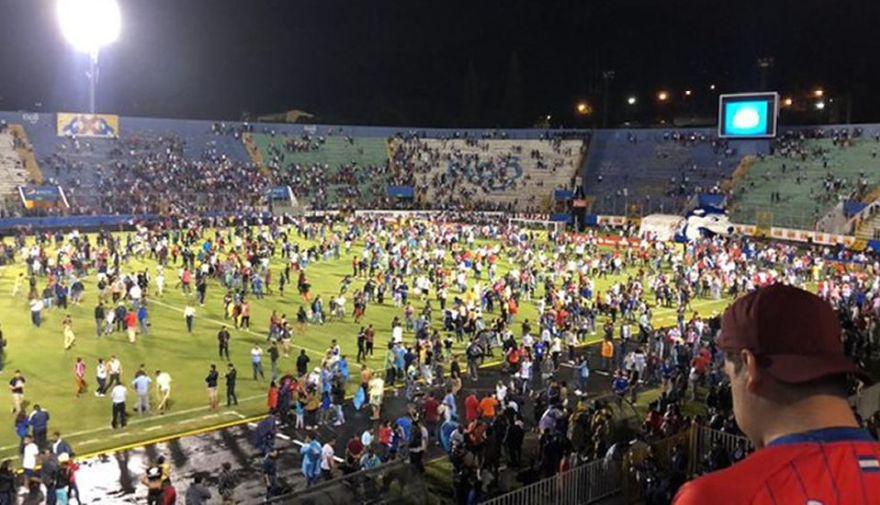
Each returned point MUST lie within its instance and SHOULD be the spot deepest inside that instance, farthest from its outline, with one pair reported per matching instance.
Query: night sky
(470, 63)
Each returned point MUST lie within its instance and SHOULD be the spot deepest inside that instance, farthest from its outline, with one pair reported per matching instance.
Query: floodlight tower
(89, 25)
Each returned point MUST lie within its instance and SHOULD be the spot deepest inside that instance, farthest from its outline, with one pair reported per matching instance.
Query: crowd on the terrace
(150, 173)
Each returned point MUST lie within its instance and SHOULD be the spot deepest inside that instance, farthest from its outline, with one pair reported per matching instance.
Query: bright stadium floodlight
(89, 25)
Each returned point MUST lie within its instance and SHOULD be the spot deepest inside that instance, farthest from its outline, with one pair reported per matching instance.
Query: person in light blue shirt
(451, 408)
(311, 460)
(583, 374)
(369, 460)
(446, 430)
(141, 385)
(342, 367)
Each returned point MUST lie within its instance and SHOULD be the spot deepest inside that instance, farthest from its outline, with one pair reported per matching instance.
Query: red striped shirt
(797, 470)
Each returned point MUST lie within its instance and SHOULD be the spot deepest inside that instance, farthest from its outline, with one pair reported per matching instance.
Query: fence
(598, 479)
(703, 440)
(583, 484)
(383, 484)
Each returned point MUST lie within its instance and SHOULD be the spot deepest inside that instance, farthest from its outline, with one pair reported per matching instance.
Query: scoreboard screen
(748, 115)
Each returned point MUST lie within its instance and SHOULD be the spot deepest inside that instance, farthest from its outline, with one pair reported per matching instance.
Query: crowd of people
(456, 308)
(134, 174)
(472, 173)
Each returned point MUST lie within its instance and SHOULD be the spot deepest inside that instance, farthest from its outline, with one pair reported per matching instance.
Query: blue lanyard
(824, 436)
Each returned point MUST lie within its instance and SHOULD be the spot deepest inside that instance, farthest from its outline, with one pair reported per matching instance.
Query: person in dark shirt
(223, 342)
(16, 387)
(120, 317)
(7, 483)
(302, 363)
(2, 350)
(231, 375)
(270, 474)
(100, 313)
(39, 423)
(273, 359)
(211, 383)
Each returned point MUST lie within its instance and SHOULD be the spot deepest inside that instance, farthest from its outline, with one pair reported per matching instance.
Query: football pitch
(85, 421)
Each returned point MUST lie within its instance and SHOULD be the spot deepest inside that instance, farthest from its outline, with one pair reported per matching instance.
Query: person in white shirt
(36, 311)
(163, 386)
(135, 293)
(117, 396)
(29, 457)
(160, 283)
(328, 463)
(189, 314)
(101, 377)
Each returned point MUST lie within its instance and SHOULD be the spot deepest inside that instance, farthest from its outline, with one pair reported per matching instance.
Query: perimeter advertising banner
(35, 197)
(88, 125)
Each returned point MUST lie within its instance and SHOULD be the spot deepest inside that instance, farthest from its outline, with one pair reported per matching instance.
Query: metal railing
(364, 486)
(702, 441)
(583, 484)
(599, 479)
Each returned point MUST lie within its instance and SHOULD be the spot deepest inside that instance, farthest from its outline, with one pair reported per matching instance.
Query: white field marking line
(90, 441)
(237, 414)
(144, 420)
(221, 323)
(700, 303)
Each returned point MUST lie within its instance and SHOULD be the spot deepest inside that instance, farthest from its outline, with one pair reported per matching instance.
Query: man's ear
(754, 374)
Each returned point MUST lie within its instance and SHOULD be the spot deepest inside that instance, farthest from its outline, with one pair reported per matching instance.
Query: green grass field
(85, 422)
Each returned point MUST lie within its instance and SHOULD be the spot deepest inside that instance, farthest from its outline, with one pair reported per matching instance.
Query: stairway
(868, 227)
(26, 152)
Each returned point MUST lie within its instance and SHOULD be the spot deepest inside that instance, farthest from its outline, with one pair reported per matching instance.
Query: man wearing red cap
(788, 373)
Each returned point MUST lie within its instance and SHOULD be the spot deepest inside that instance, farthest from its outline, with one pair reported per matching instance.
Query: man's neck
(811, 414)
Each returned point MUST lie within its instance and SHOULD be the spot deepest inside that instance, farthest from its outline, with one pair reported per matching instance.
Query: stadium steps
(254, 153)
(12, 170)
(800, 208)
(332, 154)
(648, 161)
(26, 153)
(868, 227)
(532, 190)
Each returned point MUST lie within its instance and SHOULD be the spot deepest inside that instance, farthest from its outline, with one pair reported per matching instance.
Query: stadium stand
(12, 170)
(518, 175)
(327, 171)
(656, 170)
(806, 173)
(810, 171)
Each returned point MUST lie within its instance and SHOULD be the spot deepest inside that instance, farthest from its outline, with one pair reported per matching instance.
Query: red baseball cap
(794, 331)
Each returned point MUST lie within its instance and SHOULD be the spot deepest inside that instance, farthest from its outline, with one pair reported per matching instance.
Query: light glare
(88, 25)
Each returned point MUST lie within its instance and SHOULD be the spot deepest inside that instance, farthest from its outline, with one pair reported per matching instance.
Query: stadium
(610, 303)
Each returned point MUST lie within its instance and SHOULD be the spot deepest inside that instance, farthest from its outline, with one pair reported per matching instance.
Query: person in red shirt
(431, 415)
(487, 407)
(131, 325)
(272, 397)
(471, 407)
(353, 452)
(788, 375)
(169, 494)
